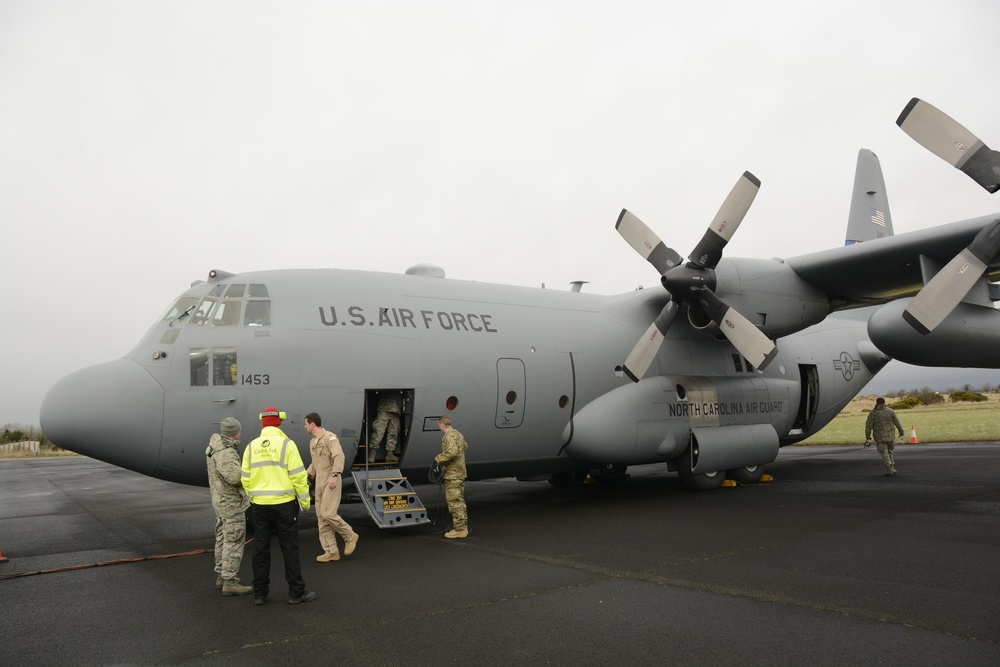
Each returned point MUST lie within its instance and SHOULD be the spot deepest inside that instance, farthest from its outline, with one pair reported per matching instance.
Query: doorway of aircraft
(395, 424)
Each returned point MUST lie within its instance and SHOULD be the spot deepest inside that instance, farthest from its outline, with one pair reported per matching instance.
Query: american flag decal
(878, 217)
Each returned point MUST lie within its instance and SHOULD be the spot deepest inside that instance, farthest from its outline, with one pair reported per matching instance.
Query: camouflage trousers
(387, 424)
(885, 449)
(454, 495)
(230, 534)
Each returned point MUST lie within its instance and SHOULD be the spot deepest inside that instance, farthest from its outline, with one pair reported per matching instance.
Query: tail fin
(869, 218)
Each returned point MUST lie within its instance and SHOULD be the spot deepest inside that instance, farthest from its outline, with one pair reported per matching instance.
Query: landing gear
(567, 479)
(747, 474)
(705, 481)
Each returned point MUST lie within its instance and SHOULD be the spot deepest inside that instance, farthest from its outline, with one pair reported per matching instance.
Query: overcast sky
(143, 144)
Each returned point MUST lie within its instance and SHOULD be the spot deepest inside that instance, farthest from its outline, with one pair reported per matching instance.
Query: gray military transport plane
(735, 357)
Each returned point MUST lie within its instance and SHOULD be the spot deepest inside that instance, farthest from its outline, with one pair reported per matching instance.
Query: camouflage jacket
(884, 422)
(453, 447)
(391, 403)
(228, 496)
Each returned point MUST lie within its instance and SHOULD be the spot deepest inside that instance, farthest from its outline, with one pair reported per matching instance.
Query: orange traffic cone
(2, 559)
(913, 435)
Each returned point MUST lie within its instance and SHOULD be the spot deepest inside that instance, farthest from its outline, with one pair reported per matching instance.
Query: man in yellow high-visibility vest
(276, 482)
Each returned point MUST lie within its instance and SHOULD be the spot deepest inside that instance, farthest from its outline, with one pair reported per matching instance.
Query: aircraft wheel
(746, 475)
(698, 481)
(566, 479)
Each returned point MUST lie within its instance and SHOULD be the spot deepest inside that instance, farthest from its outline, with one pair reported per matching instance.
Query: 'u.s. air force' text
(404, 318)
(731, 408)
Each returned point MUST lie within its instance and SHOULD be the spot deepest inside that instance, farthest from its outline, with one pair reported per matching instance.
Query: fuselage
(524, 373)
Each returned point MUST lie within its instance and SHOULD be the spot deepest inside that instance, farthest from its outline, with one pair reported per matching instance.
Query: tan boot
(218, 583)
(351, 546)
(234, 587)
(454, 533)
(371, 455)
(391, 458)
(327, 557)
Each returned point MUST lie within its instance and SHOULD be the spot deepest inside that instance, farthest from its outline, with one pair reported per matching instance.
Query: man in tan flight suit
(327, 469)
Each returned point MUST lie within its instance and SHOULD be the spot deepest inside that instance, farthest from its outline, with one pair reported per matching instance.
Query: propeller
(945, 137)
(691, 284)
(949, 140)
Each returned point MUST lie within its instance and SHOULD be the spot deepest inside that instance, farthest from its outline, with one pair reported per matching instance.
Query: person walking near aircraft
(453, 448)
(387, 418)
(881, 421)
(230, 503)
(275, 479)
(327, 467)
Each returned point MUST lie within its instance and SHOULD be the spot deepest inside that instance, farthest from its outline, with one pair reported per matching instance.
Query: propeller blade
(708, 252)
(950, 285)
(641, 357)
(757, 348)
(945, 137)
(645, 242)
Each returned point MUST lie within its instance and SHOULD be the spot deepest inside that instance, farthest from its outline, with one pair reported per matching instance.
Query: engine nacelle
(969, 337)
(772, 296)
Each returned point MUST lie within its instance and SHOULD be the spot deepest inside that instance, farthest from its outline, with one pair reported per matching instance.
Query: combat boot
(455, 533)
(391, 458)
(371, 455)
(327, 557)
(234, 587)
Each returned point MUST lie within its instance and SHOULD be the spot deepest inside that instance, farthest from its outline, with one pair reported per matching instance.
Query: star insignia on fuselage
(847, 365)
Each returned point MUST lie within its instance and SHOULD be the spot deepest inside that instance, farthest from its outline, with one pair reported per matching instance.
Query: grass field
(945, 422)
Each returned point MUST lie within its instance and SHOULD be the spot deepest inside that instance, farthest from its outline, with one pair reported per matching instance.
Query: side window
(227, 314)
(224, 366)
(258, 314)
(199, 367)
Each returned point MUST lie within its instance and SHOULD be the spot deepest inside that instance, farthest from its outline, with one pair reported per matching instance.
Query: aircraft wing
(888, 268)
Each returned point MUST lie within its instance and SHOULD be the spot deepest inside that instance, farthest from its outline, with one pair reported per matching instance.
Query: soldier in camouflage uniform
(388, 412)
(453, 447)
(230, 503)
(882, 421)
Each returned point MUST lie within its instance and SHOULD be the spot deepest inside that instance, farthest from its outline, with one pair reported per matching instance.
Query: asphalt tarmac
(829, 564)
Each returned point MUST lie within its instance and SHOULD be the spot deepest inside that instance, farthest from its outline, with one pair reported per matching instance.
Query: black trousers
(280, 520)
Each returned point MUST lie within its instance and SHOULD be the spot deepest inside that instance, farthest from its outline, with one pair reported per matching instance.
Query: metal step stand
(388, 497)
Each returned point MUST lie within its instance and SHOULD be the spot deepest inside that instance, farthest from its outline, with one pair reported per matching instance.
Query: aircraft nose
(112, 412)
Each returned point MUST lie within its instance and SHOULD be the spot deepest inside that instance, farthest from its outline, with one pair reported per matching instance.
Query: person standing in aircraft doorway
(881, 421)
(327, 469)
(453, 448)
(389, 411)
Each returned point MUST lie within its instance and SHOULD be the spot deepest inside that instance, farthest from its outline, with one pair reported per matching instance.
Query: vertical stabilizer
(869, 218)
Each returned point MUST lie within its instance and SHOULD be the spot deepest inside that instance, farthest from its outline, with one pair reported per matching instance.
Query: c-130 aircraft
(735, 357)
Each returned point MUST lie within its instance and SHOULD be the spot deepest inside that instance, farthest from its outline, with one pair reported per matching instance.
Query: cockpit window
(203, 311)
(258, 314)
(227, 314)
(181, 306)
(244, 304)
